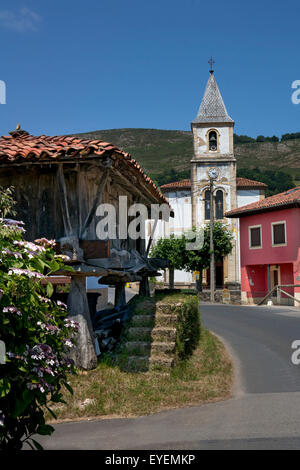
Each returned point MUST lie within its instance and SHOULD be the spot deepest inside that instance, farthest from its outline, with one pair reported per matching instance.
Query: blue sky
(75, 66)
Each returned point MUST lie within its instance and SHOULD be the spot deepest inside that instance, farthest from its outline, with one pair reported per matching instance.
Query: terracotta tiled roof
(243, 183)
(246, 183)
(21, 147)
(290, 198)
(183, 184)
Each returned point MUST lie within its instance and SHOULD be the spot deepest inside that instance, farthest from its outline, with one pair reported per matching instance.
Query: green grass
(205, 377)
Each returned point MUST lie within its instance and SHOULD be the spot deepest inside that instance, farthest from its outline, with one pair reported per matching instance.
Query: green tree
(171, 249)
(242, 139)
(174, 249)
(198, 260)
(277, 181)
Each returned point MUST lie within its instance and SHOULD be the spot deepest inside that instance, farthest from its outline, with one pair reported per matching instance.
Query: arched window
(219, 205)
(207, 205)
(212, 141)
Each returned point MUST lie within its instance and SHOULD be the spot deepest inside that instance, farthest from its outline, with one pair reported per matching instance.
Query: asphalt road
(264, 412)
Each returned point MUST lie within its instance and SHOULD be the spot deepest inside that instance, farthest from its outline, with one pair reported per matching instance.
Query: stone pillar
(83, 354)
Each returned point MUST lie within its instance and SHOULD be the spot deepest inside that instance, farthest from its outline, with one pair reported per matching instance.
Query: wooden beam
(133, 188)
(64, 200)
(93, 209)
(151, 238)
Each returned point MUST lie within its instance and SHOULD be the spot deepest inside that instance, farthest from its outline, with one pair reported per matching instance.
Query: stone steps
(144, 333)
(141, 348)
(151, 340)
(161, 319)
(145, 363)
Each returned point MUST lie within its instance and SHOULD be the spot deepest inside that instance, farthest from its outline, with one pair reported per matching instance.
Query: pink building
(269, 243)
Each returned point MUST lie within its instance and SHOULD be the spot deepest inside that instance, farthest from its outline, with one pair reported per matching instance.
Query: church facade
(212, 131)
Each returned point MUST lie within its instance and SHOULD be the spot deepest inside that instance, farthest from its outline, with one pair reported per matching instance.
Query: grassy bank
(109, 392)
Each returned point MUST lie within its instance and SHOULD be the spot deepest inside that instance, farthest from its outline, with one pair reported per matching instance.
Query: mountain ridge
(159, 150)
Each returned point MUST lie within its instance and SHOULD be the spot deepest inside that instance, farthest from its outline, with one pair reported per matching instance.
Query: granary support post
(120, 294)
(144, 289)
(83, 353)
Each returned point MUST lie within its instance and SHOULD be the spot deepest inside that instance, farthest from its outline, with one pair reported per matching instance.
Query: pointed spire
(212, 108)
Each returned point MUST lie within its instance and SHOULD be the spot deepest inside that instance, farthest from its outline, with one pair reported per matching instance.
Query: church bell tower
(213, 148)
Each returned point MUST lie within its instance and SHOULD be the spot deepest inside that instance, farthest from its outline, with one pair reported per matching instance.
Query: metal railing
(280, 291)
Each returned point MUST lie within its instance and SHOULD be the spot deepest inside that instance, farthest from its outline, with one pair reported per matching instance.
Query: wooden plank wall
(38, 201)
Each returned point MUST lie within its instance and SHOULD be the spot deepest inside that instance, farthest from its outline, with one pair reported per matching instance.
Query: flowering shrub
(37, 337)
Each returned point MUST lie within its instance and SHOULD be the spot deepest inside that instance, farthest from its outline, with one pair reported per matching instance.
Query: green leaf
(4, 387)
(54, 265)
(51, 412)
(37, 445)
(40, 265)
(68, 387)
(68, 268)
(27, 396)
(45, 429)
(30, 445)
(20, 407)
(50, 289)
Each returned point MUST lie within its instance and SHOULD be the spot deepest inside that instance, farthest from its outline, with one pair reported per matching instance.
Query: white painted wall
(223, 139)
(180, 201)
(248, 196)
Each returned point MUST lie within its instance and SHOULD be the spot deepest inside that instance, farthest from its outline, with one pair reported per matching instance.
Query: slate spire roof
(212, 108)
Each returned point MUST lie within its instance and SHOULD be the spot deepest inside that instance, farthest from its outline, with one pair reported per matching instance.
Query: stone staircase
(152, 337)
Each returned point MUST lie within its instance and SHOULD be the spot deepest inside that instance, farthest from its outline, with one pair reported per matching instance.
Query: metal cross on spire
(211, 63)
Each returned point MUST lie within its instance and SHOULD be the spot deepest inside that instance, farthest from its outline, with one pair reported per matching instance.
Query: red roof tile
(243, 183)
(176, 184)
(290, 198)
(21, 147)
(246, 183)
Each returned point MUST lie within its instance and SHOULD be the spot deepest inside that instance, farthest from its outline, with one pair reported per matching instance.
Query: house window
(207, 205)
(278, 233)
(255, 237)
(219, 205)
(212, 141)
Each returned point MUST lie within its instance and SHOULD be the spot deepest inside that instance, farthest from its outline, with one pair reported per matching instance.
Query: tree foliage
(36, 333)
(197, 260)
(290, 136)
(277, 181)
(172, 249)
(175, 249)
(171, 175)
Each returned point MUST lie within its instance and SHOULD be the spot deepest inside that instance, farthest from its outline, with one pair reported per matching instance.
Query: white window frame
(249, 236)
(279, 222)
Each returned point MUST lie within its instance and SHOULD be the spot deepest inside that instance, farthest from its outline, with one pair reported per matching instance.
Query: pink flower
(11, 309)
(25, 272)
(61, 304)
(46, 243)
